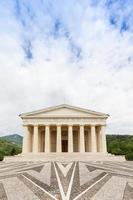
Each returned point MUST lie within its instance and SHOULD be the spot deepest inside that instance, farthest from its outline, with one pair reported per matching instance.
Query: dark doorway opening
(64, 145)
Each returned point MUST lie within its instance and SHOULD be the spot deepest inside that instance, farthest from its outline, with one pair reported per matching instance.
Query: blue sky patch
(27, 47)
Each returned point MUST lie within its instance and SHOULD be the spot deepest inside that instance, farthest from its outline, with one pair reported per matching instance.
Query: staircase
(64, 157)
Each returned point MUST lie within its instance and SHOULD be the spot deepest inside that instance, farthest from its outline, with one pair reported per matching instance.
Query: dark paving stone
(38, 192)
(91, 169)
(53, 188)
(76, 188)
(92, 191)
(38, 169)
(65, 180)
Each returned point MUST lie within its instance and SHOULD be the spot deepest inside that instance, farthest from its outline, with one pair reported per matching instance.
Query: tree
(13, 151)
(1, 156)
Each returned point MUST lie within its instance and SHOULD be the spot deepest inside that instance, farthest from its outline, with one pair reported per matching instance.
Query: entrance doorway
(64, 145)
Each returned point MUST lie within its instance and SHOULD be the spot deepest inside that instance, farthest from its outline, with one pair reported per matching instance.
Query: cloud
(77, 52)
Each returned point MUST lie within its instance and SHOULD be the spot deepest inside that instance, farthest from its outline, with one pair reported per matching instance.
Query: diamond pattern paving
(66, 180)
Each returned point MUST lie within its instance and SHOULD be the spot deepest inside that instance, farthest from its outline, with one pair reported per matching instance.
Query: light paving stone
(16, 190)
(112, 190)
(128, 193)
(3, 195)
(85, 175)
(64, 169)
(45, 174)
(130, 183)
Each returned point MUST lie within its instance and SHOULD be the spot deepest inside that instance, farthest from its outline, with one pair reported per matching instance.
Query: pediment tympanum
(63, 111)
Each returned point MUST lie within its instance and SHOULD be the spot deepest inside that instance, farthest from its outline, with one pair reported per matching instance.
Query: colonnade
(78, 138)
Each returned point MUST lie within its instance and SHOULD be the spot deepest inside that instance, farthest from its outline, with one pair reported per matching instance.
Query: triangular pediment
(64, 111)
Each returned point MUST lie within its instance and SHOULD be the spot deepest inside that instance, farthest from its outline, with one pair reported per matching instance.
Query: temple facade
(64, 128)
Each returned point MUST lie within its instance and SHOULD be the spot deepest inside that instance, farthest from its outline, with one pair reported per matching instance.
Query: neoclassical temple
(64, 128)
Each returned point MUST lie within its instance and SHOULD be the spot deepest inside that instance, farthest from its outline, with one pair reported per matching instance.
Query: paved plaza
(66, 180)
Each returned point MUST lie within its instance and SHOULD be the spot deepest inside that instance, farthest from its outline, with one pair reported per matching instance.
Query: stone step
(64, 157)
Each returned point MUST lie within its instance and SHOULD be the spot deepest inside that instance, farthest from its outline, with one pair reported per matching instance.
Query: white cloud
(99, 79)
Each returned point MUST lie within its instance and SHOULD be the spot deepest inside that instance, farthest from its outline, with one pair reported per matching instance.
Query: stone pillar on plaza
(58, 139)
(93, 139)
(26, 139)
(47, 139)
(70, 139)
(81, 139)
(35, 139)
(103, 140)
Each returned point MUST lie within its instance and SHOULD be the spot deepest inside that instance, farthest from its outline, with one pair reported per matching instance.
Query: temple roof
(64, 110)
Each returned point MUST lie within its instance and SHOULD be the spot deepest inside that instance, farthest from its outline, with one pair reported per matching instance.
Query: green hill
(10, 145)
(14, 139)
(120, 144)
(8, 148)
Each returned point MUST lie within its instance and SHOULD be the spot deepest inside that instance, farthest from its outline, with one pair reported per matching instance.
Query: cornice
(84, 110)
(64, 117)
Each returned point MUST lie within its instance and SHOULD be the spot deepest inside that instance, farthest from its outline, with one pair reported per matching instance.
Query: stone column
(89, 140)
(93, 139)
(58, 139)
(35, 139)
(47, 139)
(81, 139)
(103, 140)
(26, 140)
(70, 139)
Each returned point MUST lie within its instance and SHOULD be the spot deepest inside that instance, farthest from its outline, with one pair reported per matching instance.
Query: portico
(64, 128)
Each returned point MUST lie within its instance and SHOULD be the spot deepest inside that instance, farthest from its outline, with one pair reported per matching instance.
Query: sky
(75, 52)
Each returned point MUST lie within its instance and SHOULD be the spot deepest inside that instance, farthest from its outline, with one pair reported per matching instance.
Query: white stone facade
(64, 128)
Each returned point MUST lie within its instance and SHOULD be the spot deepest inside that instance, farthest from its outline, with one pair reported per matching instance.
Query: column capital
(103, 125)
(35, 125)
(81, 125)
(93, 125)
(25, 125)
(58, 125)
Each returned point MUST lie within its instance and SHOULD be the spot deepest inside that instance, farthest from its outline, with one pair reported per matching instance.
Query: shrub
(129, 156)
(1, 156)
(117, 151)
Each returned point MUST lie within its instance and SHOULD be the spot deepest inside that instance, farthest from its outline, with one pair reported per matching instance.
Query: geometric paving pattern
(66, 180)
